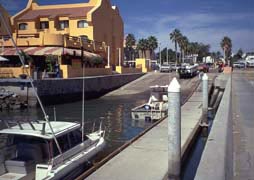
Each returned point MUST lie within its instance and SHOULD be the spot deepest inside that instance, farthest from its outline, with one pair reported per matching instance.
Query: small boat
(6, 94)
(29, 150)
(156, 108)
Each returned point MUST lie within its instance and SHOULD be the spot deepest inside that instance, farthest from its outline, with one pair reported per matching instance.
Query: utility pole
(167, 55)
(160, 53)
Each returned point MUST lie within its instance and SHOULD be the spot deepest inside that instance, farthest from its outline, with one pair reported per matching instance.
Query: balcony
(72, 41)
(28, 40)
(99, 46)
(46, 39)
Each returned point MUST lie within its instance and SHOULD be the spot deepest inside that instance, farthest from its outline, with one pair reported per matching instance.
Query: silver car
(165, 68)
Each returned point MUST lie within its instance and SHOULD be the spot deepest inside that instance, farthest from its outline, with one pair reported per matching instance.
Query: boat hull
(143, 114)
(148, 115)
(70, 167)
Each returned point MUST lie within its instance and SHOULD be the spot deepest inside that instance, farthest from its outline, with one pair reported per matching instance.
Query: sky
(206, 21)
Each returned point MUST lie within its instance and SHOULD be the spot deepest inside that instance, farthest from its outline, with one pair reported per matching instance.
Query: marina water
(113, 111)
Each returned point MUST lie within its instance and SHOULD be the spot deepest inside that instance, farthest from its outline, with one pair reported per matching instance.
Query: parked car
(203, 68)
(174, 67)
(250, 64)
(165, 68)
(238, 65)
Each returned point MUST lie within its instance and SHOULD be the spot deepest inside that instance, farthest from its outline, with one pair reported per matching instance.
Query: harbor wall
(54, 91)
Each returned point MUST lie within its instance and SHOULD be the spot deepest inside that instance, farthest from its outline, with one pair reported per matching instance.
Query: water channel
(113, 111)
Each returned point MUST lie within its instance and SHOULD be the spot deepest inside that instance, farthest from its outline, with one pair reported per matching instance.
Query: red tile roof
(51, 13)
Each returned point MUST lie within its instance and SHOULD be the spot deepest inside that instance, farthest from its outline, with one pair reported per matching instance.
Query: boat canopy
(158, 88)
(41, 129)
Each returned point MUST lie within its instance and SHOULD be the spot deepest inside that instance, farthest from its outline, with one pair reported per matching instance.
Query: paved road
(243, 117)
(141, 85)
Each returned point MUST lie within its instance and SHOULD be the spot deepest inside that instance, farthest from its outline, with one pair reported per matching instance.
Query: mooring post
(204, 122)
(174, 130)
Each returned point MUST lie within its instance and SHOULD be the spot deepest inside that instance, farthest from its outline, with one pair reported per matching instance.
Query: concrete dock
(232, 134)
(147, 157)
(243, 124)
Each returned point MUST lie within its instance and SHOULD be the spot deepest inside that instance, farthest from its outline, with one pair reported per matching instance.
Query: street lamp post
(108, 56)
(119, 49)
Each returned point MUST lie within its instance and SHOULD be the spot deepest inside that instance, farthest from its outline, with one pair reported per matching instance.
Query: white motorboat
(29, 150)
(156, 108)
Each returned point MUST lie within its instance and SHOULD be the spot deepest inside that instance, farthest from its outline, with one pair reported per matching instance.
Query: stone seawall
(54, 91)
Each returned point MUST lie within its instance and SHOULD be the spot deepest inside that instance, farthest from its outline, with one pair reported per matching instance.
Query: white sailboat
(45, 150)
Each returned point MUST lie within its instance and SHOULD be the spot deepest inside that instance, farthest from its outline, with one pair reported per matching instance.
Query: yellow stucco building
(75, 30)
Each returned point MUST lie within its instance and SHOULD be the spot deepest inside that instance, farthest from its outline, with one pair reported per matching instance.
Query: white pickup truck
(188, 71)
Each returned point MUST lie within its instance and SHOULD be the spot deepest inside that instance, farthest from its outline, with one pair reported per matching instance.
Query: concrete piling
(174, 130)
(204, 122)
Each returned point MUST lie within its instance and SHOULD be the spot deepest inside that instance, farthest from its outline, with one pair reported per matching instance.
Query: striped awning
(41, 51)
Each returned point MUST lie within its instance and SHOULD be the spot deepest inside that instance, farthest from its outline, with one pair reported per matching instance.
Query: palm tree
(174, 37)
(240, 52)
(218, 54)
(130, 41)
(142, 46)
(226, 45)
(190, 48)
(213, 55)
(183, 44)
(152, 44)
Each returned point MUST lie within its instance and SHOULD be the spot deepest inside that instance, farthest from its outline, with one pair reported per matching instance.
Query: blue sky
(204, 21)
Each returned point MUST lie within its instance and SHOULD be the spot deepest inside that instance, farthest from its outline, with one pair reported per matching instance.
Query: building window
(63, 24)
(82, 24)
(44, 25)
(22, 26)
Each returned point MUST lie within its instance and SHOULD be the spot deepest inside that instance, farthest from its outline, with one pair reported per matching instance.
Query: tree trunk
(129, 54)
(225, 58)
(183, 56)
(180, 57)
(176, 52)
(140, 53)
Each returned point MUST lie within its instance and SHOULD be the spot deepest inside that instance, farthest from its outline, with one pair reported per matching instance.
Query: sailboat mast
(46, 117)
(83, 102)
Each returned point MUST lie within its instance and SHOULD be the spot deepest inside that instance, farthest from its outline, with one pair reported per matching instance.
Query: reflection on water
(114, 112)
